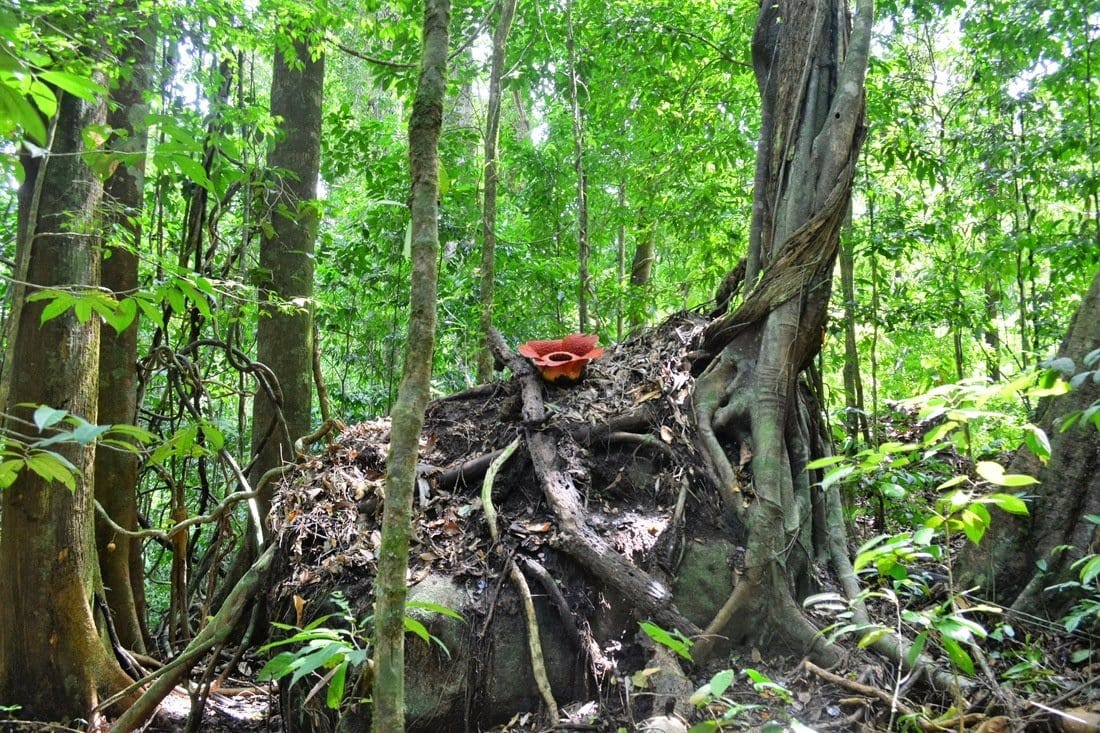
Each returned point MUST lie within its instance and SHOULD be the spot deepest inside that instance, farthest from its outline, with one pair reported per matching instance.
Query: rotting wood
(577, 537)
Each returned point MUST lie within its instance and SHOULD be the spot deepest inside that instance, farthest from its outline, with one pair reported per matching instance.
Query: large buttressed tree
(810, 60)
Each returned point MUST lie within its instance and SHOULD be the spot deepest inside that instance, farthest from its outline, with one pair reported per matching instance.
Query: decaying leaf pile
(623, 435)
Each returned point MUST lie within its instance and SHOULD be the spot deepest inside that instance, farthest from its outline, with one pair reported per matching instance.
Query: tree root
(216, 631)
(892, 700)
(534, 645)
(576, 537)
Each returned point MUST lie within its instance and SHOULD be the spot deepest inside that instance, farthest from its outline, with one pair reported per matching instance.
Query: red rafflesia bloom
(562, 361)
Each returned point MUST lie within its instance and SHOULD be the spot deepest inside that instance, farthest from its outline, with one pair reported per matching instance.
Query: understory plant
(323, 652)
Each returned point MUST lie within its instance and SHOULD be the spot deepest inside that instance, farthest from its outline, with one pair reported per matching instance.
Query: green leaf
(826, 461)
(837, 474)
(720, 682)
(60, 303)
(418, 628)
(47, 417)
(916, 649)
(994, 473)
(677, 643)
(9, 471)
(53, 467)
(958, 655)
(1090, 570)
(78, 86)
(1006, 502)
(1036, 440)
(278, 666)
(87, 433)
(336, 687)
(435, 608)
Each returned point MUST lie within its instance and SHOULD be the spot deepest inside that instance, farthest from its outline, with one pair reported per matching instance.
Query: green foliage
(1063, 368)
(673, 640)
(723, 712)
(1087, 585)
(20, 452)
(324, 653)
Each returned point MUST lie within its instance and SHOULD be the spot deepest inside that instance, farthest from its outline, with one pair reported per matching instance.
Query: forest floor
(1029, 674)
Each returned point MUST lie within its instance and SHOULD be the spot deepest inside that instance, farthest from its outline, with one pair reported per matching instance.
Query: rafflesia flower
(562, 361)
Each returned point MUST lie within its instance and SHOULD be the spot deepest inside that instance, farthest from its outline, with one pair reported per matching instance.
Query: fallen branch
(576, 537)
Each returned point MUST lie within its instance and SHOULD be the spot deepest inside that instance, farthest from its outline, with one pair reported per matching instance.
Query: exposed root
(534, 645)
(576, 537)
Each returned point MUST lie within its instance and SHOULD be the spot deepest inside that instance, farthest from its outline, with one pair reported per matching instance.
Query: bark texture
(282, 409)
(747, 398)
(52, 660)
(492, 176)
(425, 124)
(116, 472)
(1004, 565)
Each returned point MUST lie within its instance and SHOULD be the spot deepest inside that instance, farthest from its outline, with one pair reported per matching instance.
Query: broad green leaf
(1007, 502)
(720, 682)
(1091, 570)
(418, 628)
(917, 647)
(336, 687)
(824, 462)
(958, 655)
(994, 473)
(677, 643)
(46, 417)
(53, 467)
(435, 608)
(78, 86)
(837, 474)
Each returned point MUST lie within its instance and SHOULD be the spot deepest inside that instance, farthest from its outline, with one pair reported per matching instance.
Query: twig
(534, 645)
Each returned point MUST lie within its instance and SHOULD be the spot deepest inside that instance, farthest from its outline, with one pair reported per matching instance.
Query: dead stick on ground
(885, 697)
(538, 662)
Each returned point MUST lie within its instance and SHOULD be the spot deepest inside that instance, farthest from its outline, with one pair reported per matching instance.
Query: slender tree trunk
(620, 264)
(855, 416)
(583, 277)
(116, 472)
(53, 661)
(407, 415)
(285, 332)
(641, 269)
(492, 176)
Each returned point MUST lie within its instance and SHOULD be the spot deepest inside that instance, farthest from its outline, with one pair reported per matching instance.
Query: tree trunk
(811, 84)
(53, 661)
(584, 283)
(284, 335)
(492, 175)
(1004, 565)
(116, 472)
(641, 269)
(425, 124)
(855, 414)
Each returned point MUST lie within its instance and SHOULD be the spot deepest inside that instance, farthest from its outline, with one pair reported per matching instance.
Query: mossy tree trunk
(53, 660)
(810, 67)
(1005, 563)
(425, 124)
(116, 472)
